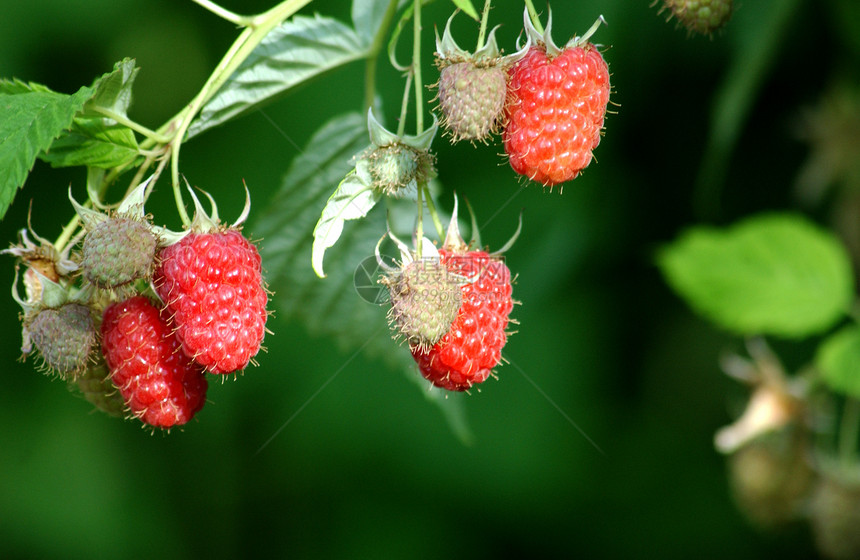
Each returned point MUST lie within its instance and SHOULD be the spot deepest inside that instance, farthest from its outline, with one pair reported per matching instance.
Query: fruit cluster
(549, 102)
(167, 308)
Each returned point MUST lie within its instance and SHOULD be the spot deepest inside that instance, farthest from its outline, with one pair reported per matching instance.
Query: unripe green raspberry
(835, 516)
(397, 168)
(425, 299)
(118, 251)
(96, 387)
(64, 337)
(771, 478)
(472, 99)
(701, 16)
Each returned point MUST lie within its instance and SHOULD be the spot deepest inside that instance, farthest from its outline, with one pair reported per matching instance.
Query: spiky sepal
(545, 40)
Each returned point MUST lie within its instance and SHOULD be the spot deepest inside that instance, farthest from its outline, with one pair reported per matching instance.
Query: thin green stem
(67, 233)
(125, 121)
(244, 45)
(243, 21)
(416, 68)
(485, 16)
(404, 105)
(434, 215)
(373, 54)
(533, 15)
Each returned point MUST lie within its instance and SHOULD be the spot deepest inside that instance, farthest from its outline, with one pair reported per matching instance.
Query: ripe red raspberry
(473, 345)
(158, 383)
(212, 287)
(555, 112)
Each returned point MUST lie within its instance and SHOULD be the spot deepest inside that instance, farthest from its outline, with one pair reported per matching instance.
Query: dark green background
(368, 468)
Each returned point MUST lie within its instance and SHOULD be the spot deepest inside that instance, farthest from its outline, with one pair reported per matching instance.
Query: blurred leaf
(113, 90)
(771, 274)
(755, 53)
(352, 200)
(32, 117)
(93, 143)
(467, 7)
(298, 50)
(838, 359)
(367, 16)
(332, 306)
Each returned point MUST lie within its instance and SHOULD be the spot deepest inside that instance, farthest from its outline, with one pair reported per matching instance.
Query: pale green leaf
(298, 50)
(838, 360)
(352, 200)
(776, 274)
(32, 117)
(113, 90)
(93, 143)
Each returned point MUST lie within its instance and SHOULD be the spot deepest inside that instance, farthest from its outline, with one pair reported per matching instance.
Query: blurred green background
(366, 467)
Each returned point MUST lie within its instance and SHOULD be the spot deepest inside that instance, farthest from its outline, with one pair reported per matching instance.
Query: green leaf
(332, 307)
(774, 274)
(838, 360)
(467, 7)
(352, 200)
(298, 50)
(367, 16)
(93, 143)
(113, 90)
(32, 117)
(16, 86)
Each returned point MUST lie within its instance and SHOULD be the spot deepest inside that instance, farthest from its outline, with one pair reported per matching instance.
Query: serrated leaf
(113, 90)
(93, 143)
(32, 118)
(467, 7)
(352, 200)
(16, 86)
(298, 50)
(332, 307)
(838, 360)
(776, 274)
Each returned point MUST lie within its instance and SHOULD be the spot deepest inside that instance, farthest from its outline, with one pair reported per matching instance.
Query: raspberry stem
(155, 136)
(434, 215)
(373, 54)
(416, 69)
(223, 13)
(257, 27)
(404, 104)
(485, 15)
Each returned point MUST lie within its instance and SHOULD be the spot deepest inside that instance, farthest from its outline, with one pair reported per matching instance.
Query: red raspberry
(473, 346)
(212, 287)
(159, 384)
(555, 112)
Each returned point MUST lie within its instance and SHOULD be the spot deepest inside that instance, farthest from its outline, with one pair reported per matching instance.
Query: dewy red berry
(212, 287)
(557, 103)
(159, 384)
